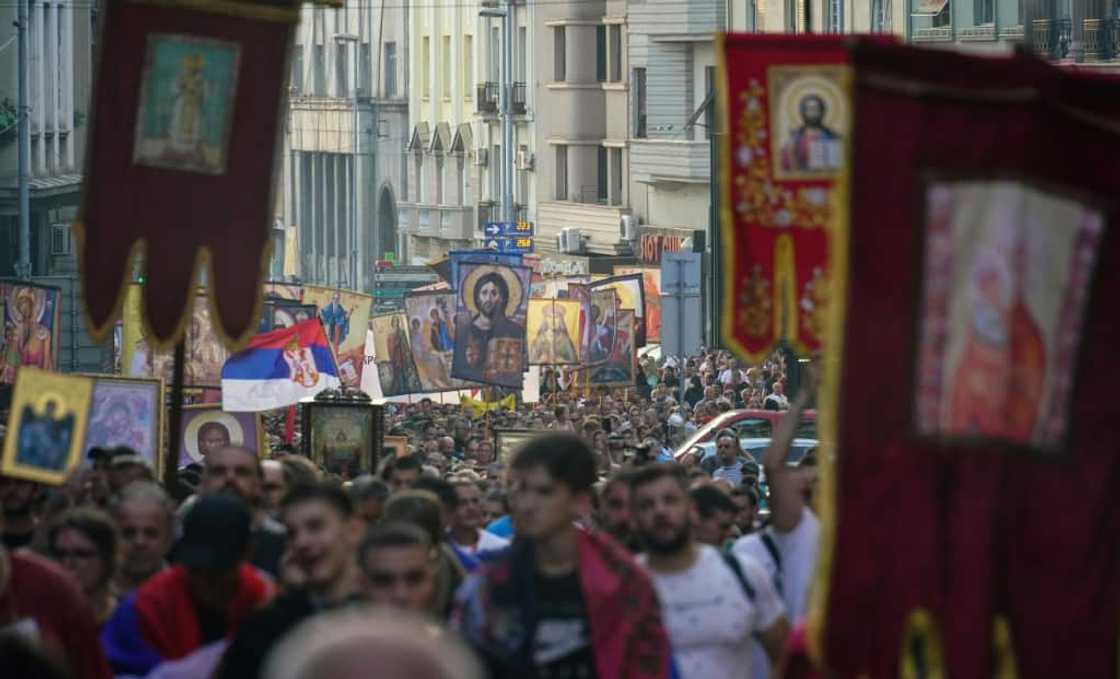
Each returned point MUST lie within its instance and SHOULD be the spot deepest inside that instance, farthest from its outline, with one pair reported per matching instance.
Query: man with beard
(813, 147)
(713, 604)
(614, 511)
(323, 538)
(475, 333)
(236, 470)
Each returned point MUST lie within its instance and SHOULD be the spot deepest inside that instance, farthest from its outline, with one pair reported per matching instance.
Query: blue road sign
(508, 230)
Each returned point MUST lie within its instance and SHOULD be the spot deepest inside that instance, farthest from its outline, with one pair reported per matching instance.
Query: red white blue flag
(279, 368)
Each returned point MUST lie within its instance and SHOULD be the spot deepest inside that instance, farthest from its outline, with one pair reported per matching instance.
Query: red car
(748, 424)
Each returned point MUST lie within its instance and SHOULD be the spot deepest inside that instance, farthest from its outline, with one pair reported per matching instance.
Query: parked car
(755, 447)
(748, 424)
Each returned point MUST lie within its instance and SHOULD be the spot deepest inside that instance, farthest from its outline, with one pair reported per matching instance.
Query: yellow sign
(47, 426)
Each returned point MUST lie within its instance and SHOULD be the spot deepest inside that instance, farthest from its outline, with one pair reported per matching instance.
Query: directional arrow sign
(492, 230)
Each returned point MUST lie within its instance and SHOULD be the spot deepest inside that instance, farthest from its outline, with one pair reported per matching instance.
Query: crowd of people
(592, 550)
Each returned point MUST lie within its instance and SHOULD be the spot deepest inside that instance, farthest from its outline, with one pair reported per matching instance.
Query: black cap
(215, 533)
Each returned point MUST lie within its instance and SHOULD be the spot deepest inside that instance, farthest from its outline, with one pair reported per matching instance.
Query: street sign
(510, 246)
(508, 230)
(681, 322)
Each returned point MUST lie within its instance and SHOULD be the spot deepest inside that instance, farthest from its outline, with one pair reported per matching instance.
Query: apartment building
(344, 148)
(60, 71)
(582, 125)
(454, 147)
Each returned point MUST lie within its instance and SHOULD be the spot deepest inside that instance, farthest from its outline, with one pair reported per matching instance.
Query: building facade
(455, 143)
(344, 148)
(60, 73)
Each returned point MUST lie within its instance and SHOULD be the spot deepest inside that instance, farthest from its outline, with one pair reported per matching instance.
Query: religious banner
(651, 293)
(345, 317)
(457, 257)
(180, 164)
(29, 315)
(618, 368)
(204, 352)
(553, 331)
(601, 325)
(431, 324)
(631, 295)
(46, 426)
(126, 411)
(580, 293)
(971, 373)
(490, 321)
(392, 350)
(788, 114)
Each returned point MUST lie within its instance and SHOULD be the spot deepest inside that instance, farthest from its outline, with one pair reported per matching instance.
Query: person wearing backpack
(713, 604)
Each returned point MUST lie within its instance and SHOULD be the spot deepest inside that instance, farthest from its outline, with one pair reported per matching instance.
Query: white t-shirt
(709, 617)
(798, 549)
(487, 542)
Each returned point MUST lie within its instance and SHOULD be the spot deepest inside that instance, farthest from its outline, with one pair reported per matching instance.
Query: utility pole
(509, 16)
(23, 266)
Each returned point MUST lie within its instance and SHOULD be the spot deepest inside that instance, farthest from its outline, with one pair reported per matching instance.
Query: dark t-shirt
(562, 646)
(260, 633)
(14, 541)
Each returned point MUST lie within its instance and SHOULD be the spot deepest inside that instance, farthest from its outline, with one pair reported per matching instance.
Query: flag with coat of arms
(279, 369)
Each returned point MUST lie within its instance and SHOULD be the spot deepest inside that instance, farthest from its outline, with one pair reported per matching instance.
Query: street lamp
(341, 39)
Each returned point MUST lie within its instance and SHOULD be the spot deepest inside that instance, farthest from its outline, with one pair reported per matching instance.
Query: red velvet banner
(787, 113)
(970, 517)
(185, 122)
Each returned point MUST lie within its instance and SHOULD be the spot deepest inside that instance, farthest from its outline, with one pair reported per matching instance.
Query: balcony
(1102, 39)
(936, 34)
(489, 96)
(1052, 37)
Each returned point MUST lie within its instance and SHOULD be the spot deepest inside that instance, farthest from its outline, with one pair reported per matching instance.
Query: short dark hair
(328, 493)
(366, 487)
(566, 457)
(651, 473)
(392, 534)
(498, 495)
(97, 527)
(710, 500)
(408, 462)
(298, 470)
(624, 478)
(419, 508)
(441, 489)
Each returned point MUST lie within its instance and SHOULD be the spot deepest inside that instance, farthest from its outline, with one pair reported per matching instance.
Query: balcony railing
(489, 96)
(519, 92)
(1052, 37)
(1102, 39)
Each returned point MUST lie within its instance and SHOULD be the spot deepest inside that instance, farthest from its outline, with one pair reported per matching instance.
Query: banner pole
(171, 454)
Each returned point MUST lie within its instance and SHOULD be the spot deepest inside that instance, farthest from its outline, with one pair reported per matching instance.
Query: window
(984, 12)
(418, 164)
(341, 87)
(945, 16)
(495, 54)
(601, 54)
(495, 167)
(559, 54)
(880, 16)
(440, 197)
(390, 69)
(468, 66)
(709, 90)
(616, 53)
(320, 71)
(793, 16)
(834, 16)
(522, 62)
(426, 68)
(461, 174)
(603, 182)
(445, 68)
(616, 176)
(561, 172)
(297, 71)
(365, 70)
(640, 103)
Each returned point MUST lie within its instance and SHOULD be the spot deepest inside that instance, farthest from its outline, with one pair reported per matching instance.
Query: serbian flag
(279, 368)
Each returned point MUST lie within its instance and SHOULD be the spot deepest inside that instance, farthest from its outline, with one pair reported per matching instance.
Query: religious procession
(557, 339)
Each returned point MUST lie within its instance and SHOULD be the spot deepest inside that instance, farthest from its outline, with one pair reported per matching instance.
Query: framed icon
(46, 426)
(345, 438)
(207, 428)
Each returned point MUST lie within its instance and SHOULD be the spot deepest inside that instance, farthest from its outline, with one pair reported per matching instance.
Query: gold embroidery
(760, 199)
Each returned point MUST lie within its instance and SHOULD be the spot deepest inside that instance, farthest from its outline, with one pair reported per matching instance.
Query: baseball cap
(215, 533)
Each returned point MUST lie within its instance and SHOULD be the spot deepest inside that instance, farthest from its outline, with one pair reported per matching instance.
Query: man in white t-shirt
(712, 604)
(788, 547)
(467, 534)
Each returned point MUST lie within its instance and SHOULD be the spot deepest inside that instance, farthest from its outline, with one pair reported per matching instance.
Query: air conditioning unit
(482, 157)
(569, 241)
(525, 159)
(628, 228)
